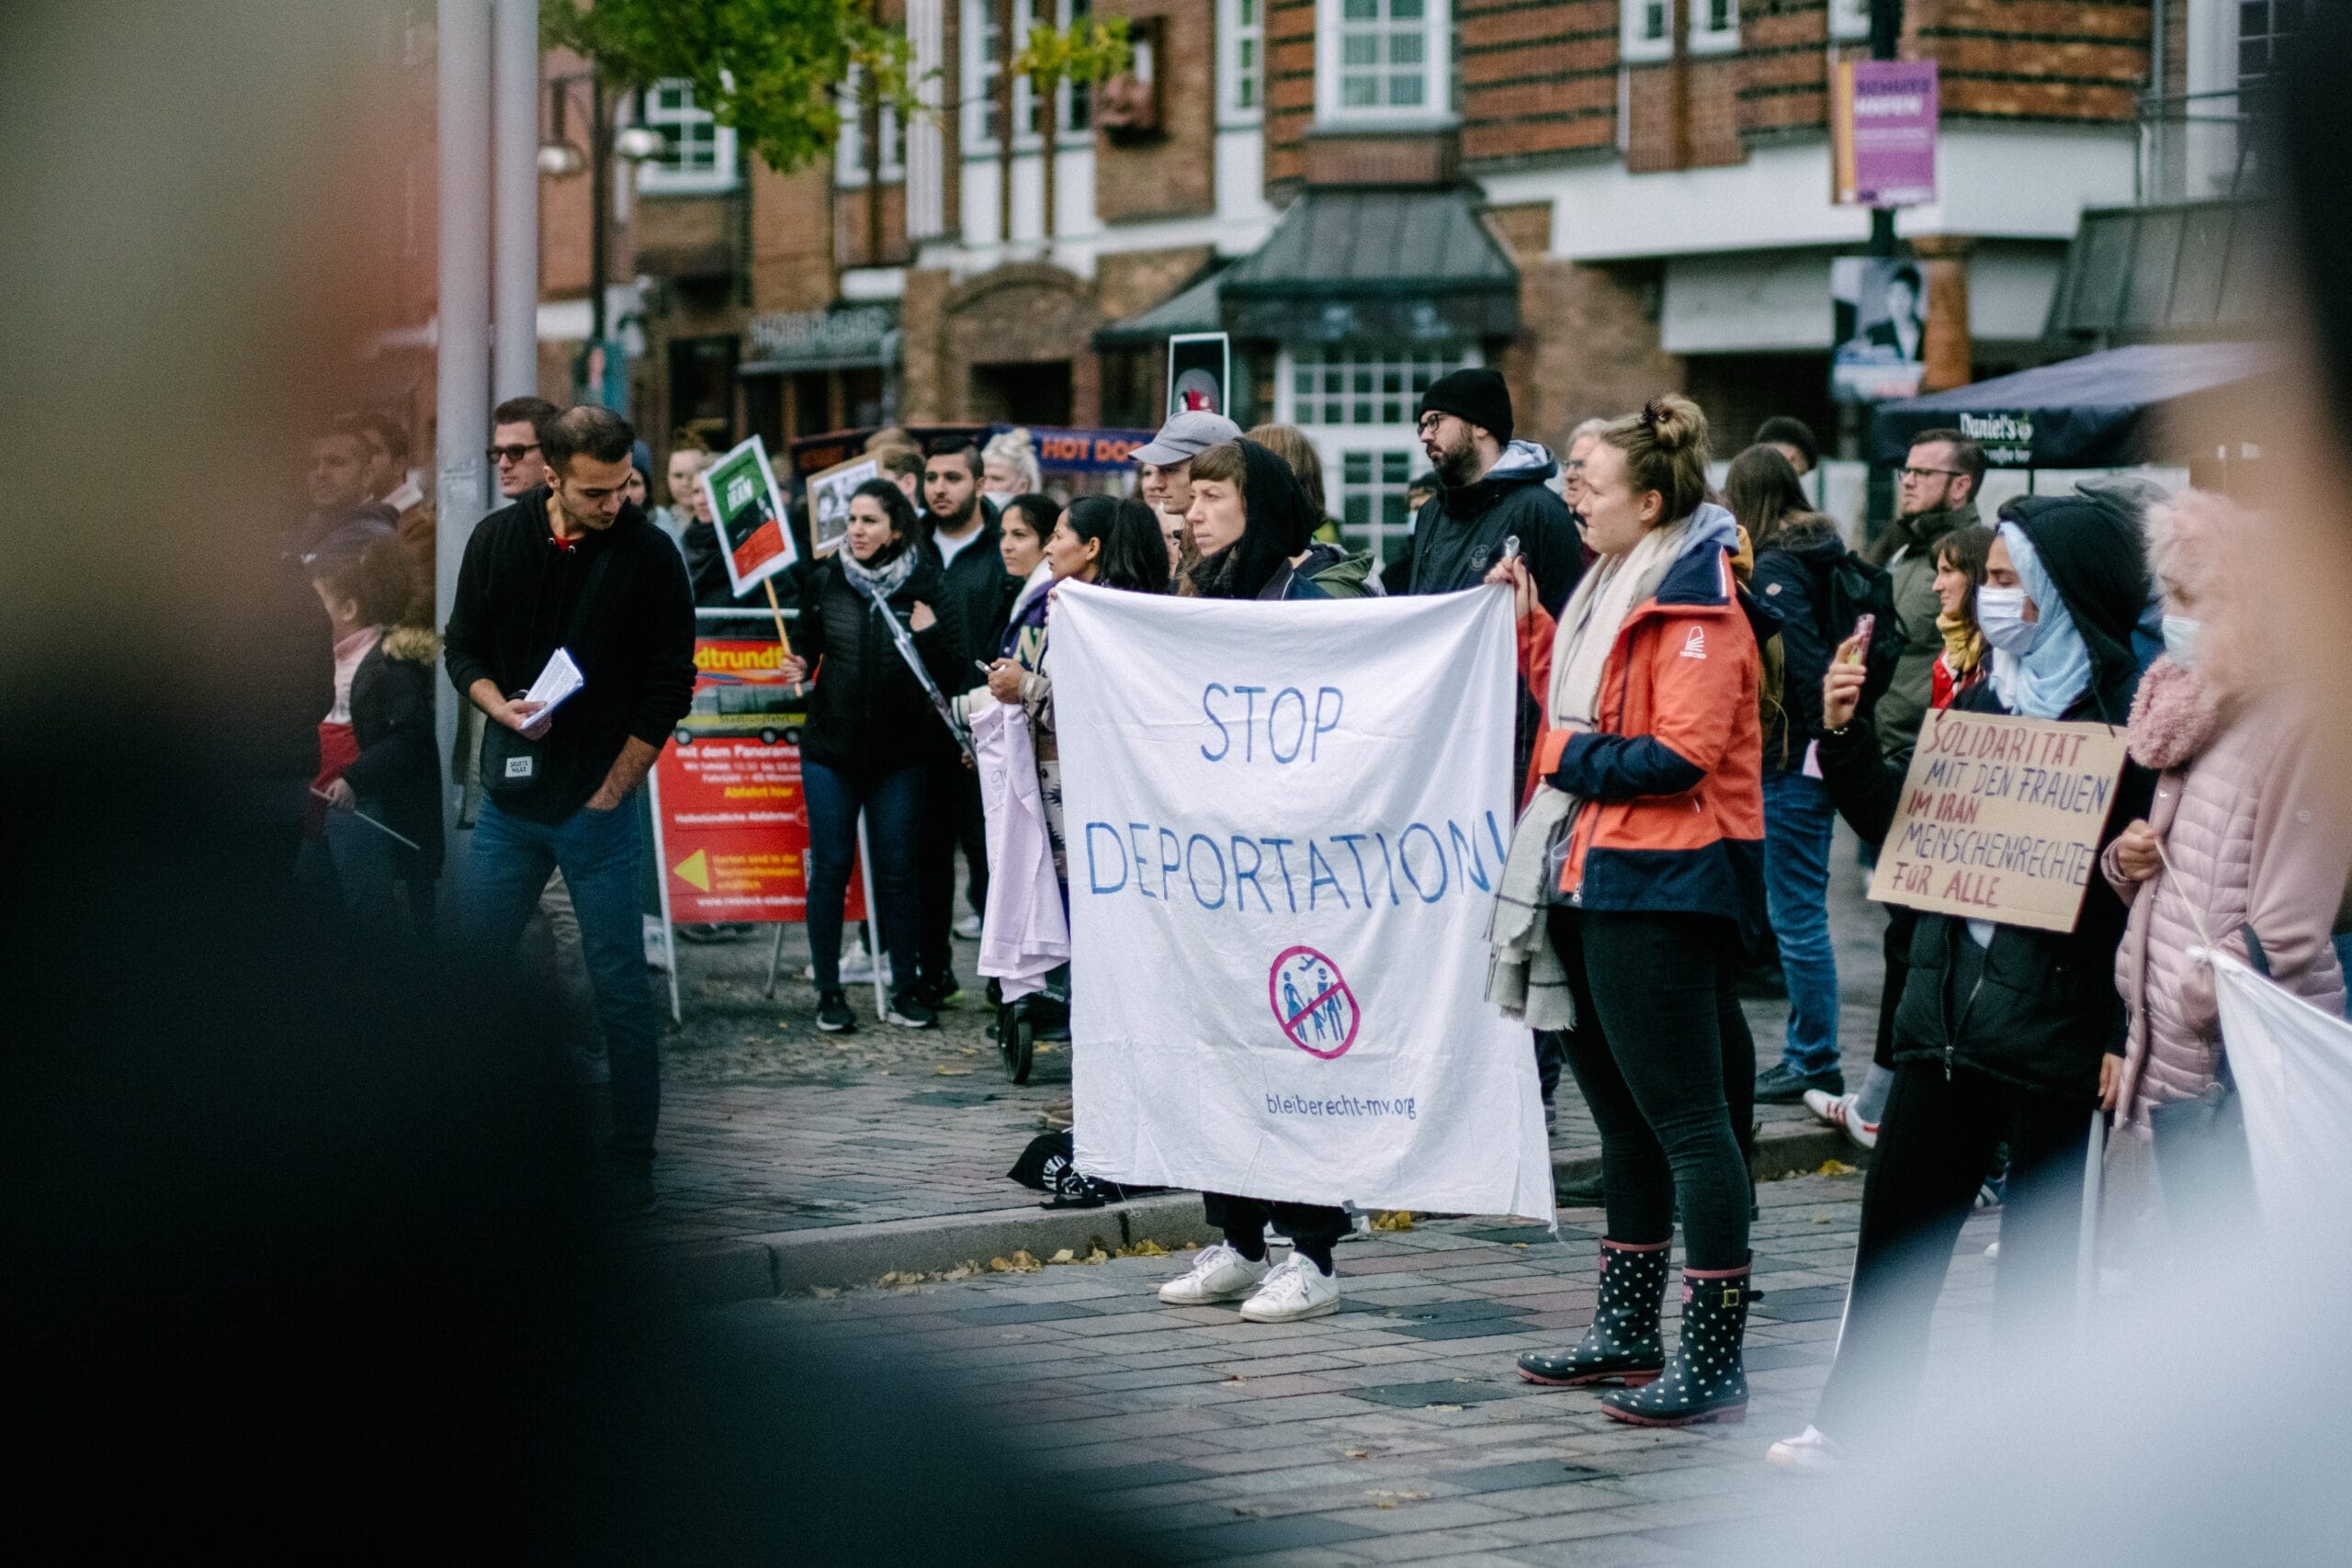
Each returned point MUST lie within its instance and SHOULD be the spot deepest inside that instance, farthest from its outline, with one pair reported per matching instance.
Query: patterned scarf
(882, 584)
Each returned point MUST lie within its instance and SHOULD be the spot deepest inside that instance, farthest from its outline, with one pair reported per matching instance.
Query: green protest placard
(749, 512)
(2000, 819)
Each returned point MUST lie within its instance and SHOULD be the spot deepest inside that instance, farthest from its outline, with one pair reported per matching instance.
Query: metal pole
(462, 345)
(1886, 35)
(873, 926)
(514, 369)
(600, 197)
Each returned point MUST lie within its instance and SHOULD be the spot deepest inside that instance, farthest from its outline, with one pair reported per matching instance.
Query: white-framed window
(1383, 60)
(984, 57)
(1714, 26)
(849, 159)
(2266, 30)
(1645, 29)
(1849, 19)
(701, 154)
(1357, 404)
(1241, 61)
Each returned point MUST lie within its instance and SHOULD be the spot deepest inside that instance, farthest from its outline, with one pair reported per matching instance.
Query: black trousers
(1663, 1055)
(1934, 1143)
(952, 819)
(1313, 1228)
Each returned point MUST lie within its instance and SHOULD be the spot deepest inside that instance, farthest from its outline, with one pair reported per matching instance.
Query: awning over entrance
(1410, 265)
(1353, 266)
(2091, 413)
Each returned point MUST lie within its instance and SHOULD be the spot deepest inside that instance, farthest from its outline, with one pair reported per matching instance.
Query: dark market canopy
(2091, 413)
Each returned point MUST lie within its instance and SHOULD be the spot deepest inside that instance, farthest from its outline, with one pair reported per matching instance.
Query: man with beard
(1494, 489)
(961, 535)
(1936, 494)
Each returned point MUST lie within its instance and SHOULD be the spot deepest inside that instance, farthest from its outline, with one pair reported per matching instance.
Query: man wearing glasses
(1936, 494)
(514, 454)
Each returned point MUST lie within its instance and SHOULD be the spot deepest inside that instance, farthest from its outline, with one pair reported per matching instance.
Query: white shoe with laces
(1809, 1453)
(1294, 1289)
(1837, 1109)
(1218, 1274)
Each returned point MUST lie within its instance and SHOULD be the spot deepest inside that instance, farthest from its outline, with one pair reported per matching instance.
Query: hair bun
(1674, 421)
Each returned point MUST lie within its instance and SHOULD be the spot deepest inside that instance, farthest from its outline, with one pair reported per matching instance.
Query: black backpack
(1856, 589)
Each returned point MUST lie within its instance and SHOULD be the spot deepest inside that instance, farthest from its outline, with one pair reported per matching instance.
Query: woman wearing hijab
(1634, 883)
(1999, 1035)
(1256, 531)
(872, 732)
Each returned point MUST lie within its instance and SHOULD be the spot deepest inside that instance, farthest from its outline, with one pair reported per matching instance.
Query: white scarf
(1524, 975)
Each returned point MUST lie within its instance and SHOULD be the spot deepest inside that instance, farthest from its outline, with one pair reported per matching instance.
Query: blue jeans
(893, 804)
(1797, 822)
(510, 863)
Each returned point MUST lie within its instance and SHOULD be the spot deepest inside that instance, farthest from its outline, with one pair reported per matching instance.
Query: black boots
(1706, 1381)
(1623, 1345)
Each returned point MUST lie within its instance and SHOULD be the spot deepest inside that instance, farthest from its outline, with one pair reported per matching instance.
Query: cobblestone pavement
(1395, 1430)
(768, 1125)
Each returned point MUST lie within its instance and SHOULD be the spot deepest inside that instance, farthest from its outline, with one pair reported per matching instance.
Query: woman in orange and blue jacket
(1635, 883)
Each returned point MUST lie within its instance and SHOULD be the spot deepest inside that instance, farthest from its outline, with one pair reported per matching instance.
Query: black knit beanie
(1476, 395)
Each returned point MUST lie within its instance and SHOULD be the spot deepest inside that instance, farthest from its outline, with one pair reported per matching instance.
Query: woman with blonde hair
(1634, 884)
(1009, 467)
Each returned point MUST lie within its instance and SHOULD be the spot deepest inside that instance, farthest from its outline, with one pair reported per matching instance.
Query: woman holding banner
(1634, 883)
(873, 727)
(2003, 1031)
(1256, 533)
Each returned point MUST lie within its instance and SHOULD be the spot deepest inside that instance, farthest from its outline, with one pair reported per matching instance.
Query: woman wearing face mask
(2244, 845)
(1963, 663)
(1634, 884)
(2000, 1034)
(1255, 532)
(1008, 468)
(872, 731)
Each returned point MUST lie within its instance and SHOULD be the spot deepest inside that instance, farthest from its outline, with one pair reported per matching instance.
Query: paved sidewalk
(770, 1127)
(1395, 1430)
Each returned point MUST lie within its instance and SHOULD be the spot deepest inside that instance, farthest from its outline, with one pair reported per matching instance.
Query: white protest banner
(2000, 819)
(1286, 823)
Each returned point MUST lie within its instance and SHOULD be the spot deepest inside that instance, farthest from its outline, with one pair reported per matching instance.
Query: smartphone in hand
(1864, 624)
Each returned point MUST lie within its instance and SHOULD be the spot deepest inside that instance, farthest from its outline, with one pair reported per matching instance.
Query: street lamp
(561, 158)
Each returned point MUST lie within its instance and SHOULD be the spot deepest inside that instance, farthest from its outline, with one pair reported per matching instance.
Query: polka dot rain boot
(1705, 1382)
(1623, 1345)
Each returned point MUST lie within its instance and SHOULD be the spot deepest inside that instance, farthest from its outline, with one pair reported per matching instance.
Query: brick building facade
(1651, 177)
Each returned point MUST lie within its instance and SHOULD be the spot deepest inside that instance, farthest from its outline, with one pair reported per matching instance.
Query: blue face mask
(2181, 634)
(2000, 616)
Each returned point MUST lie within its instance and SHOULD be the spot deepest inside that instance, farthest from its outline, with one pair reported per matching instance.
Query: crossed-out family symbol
(1312, 1002)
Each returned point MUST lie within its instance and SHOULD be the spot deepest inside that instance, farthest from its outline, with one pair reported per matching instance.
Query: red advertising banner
(733, 827)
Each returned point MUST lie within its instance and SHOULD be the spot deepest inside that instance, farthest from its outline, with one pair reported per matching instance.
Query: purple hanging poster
(1883, 144)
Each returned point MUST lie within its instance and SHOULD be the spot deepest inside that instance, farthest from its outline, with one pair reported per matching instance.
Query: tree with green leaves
(773, 70)
(1087, 52)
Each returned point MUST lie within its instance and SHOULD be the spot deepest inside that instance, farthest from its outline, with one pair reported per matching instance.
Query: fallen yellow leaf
(1064, 1255)
(944, 1071)
(1392, 1219)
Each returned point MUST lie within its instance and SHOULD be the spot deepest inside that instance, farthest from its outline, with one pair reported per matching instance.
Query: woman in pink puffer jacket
(2250, 834)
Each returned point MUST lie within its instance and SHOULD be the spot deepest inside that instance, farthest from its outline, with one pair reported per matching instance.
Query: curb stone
(758, 1267)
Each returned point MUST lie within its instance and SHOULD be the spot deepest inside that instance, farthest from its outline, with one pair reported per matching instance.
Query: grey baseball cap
(1186, 437)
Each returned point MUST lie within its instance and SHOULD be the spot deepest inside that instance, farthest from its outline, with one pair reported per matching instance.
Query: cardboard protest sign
(1282, 850)
(732, 823)
(749, 512)
(2000, 819)
(829, 493)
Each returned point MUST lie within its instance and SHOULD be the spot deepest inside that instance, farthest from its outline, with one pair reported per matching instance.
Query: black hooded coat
(1277, 524)
(2033, 1009)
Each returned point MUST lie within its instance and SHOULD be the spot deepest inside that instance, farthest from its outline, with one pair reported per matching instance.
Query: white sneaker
(1297, 1288)
(1808, 1452)
(1837, 1109)
(969, 928)
(1218, 1274)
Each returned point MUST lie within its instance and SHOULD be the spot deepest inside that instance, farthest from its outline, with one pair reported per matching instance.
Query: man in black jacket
(1496, 489)
(961, 538)
(575, 567)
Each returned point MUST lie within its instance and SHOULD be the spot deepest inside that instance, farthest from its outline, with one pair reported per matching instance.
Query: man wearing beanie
(1493, 489)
